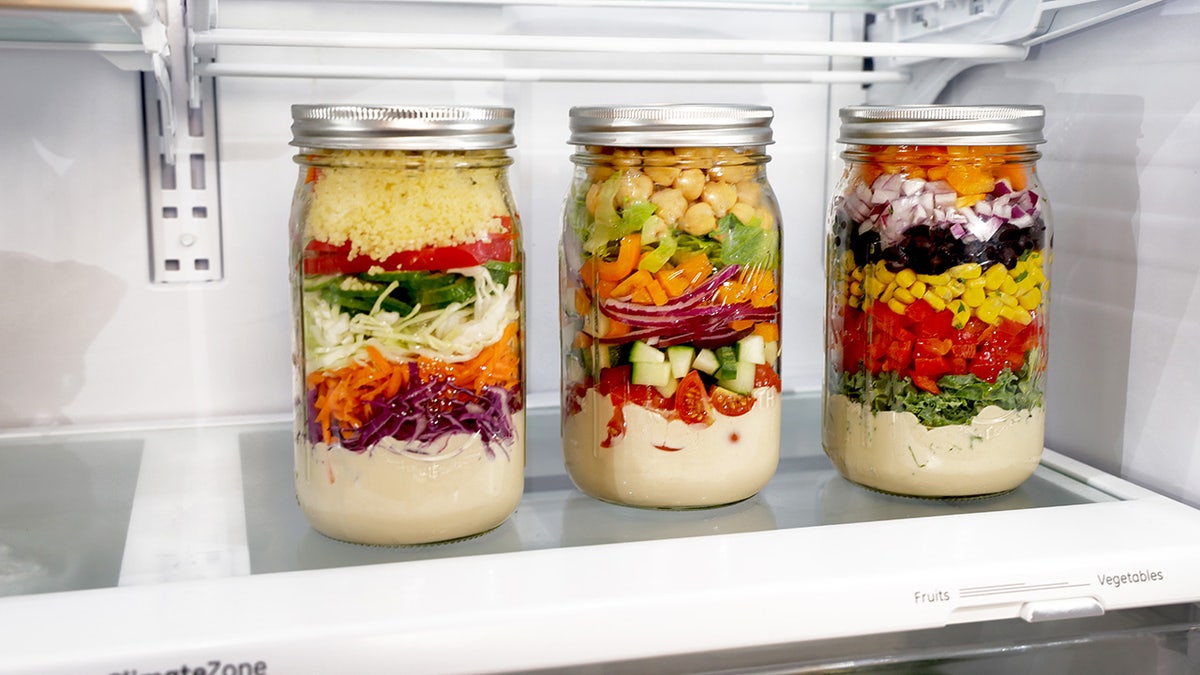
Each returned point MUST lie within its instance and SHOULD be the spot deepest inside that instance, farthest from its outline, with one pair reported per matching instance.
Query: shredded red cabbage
(426, 412)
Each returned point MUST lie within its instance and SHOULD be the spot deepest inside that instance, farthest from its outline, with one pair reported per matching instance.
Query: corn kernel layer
(989, 293)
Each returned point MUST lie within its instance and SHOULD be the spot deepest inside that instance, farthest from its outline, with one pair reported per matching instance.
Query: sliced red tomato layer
(324, 258)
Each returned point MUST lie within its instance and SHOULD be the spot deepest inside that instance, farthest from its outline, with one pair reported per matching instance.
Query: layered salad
(670, 310)
(936, 327)
(410, 418)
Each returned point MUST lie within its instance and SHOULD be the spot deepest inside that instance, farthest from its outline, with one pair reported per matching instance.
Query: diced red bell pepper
(963, 351)
(933, 347)
(900, 353)
(926, 383)
(919, 312)
(938, 324)
(889, 322)
(1016, 360)
(987, 365)
(935, 367)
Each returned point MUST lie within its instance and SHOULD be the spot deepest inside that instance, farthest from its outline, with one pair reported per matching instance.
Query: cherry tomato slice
(765, 376)
(691, 401)
(730, 404)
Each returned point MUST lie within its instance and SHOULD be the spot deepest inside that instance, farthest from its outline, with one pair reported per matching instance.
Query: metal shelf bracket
(183, 189)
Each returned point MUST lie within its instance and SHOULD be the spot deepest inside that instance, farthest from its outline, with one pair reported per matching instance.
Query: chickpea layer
(692, 188)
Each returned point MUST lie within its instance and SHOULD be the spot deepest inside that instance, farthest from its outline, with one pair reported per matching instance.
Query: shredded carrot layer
(496, 365)
(344, 396)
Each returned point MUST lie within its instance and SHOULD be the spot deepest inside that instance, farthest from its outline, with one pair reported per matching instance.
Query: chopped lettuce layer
(962, 397)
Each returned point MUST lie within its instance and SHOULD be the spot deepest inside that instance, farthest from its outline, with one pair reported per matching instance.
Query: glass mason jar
(407, 298)
(670, 305)
(938, 266)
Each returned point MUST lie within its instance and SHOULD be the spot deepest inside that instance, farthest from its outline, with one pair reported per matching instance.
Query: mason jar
(407, 297)
(938, 268)
(670, 305)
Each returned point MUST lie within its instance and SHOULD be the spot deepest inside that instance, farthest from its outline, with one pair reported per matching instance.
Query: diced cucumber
(727, 362)
(608, 356)
(644, 353)
(587, 359)
(752, 349)
(771, 351)
(596, 324)
(668, 390)
(706, 361)
(653, 374)
(743, 380)
(680, 357)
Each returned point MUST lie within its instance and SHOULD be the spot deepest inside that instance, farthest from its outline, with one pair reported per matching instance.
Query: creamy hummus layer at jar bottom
(662, 463)
(457, 493)
(894, 452)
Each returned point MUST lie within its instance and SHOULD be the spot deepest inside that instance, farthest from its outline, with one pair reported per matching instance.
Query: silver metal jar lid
(375, 127)
(678, 125)
(942, 125)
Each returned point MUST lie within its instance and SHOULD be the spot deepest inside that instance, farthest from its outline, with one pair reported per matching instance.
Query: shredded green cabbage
(458, 332)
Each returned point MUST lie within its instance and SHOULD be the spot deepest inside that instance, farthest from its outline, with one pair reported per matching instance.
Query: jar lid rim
(942, 124)
(393, 127)
(671, 125)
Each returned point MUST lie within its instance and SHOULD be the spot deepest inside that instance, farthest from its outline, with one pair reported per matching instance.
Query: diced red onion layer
(895, 202)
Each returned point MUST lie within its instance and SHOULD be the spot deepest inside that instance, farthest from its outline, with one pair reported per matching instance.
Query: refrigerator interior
(145, 409)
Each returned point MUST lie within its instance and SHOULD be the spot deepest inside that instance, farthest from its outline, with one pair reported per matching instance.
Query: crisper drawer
(127, 550)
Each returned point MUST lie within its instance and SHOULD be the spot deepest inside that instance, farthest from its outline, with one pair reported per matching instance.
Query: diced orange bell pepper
(673, 281)
(627, 259)
(657, 295)
(695, 268)
(1014, 173)
(632, 283)
(768, 331)
(582, 302)
(967, 179)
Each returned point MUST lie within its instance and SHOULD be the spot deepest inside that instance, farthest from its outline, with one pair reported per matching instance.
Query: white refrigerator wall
(90, 340)
(1122, 168)
(87, 339)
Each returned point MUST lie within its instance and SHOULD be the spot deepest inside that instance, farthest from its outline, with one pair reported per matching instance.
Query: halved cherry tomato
(729, 403)
(691, 401)
(765, 376)
(649, 397)
(324, 258)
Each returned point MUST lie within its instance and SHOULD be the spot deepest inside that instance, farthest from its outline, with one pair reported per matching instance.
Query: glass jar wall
(670, 306)
(938, 266)
(406, 279)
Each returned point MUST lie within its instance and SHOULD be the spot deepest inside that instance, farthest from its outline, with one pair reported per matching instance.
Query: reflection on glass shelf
(805, 492)
(113, 507)
(64, 513)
